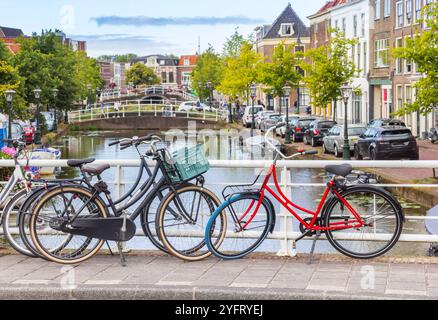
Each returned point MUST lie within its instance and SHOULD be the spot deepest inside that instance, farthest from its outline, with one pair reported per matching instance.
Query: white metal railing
(286, 234)
(138, 108)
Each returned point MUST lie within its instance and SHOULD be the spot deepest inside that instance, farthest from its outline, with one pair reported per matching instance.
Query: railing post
(91, 113)
(205, 116)
(139, 108)
(124, 107)
(155, 108)
(80, 120)
(217, 115)
(288, 247)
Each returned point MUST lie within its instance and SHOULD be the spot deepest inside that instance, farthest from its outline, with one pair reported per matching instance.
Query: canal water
(95, 144)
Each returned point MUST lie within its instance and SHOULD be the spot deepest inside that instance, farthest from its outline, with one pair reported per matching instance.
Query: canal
(217, 146)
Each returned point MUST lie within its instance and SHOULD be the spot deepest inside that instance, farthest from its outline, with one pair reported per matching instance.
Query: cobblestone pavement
(159, 277)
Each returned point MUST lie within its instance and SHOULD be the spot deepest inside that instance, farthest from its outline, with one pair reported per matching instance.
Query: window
(377, 7)
(381, 50)
(408, 12)
(164, 77)
(336, 24)
(417, 15)
(365, 57)
(171, 77)
(427, 2)
(327, 29)
(363, 24)
(162, 62)
(399, 7)
(387, 8)
(286, 29)
(408, 68)
(355, 25)
(399, 97)
(358, 57)
(399, 63)
(186, 62)
(408, 94)
(353, 53)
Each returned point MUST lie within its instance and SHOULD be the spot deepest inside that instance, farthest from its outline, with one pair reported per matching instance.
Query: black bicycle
(70, 223)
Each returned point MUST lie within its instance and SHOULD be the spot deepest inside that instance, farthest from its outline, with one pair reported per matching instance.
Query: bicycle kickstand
(318, 235)
(122, 255)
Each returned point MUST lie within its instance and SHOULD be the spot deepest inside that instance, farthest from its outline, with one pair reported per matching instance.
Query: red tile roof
(11, 45)
(192, 58)
(330, 5)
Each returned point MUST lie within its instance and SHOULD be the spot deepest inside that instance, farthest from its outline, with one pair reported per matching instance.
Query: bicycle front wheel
(60, 204)
(181, 222)
(382, 217)
(248, 225)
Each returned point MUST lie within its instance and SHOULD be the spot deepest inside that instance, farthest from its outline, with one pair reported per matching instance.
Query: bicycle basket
(189, 163)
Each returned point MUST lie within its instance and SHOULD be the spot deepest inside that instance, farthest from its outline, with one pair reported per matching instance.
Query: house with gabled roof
(9, 36)
(290, 29)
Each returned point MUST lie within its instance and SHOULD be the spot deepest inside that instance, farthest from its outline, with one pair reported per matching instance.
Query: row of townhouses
(172, 72)
(378, 25)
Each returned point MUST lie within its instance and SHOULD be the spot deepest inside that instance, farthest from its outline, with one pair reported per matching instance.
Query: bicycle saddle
(79, 163)
(95, 169)
(342, 170)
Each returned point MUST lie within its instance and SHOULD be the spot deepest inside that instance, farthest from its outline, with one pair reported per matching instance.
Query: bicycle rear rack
(233, 190)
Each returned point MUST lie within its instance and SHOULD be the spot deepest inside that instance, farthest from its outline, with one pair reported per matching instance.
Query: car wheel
(324, 149)
(314, 144)
(337, 153)
(294, 138)
(357, 154)
(305, 140)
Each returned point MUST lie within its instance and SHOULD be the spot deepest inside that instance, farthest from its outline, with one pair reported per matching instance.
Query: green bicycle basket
(189, 163)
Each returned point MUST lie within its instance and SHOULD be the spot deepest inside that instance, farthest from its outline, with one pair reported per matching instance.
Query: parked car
(247, 116)
(17, 131)
(376, 123)
(333, 142)
(50, 120)
(262, 116)
(187, 106)
(282, 130)
(299, 126)
(269, 122)
(317, 131)
(387, 143)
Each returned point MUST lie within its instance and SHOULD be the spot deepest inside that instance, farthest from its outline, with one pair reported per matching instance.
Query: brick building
(186, 66)
(9, 36)
(107, 72)
(166, 68)
(288, 27)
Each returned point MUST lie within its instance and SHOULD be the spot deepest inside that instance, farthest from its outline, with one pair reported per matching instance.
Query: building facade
(392, 80)
(9, 36)
(186, 66)
(106, 72)
(166, 68)
(290, 29)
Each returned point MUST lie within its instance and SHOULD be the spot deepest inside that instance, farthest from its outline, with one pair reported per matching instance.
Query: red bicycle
(360, 221)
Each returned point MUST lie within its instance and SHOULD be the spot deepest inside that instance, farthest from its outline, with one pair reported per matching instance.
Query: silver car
(333, 142)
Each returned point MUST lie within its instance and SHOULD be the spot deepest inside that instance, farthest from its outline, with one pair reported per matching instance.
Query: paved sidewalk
(159, 277)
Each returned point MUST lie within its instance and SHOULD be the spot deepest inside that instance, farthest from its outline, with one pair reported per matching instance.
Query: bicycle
(343, 217)
(80, 212)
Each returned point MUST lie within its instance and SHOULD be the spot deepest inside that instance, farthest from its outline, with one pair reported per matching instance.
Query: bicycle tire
(49, 254)
(193, 253)
(358, 190)
(7, 232)
(220, 253)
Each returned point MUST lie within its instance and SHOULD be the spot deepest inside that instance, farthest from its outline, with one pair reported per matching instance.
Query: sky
(148, 26)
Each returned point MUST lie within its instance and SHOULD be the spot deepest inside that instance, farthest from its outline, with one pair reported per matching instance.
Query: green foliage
(117, 58)
(233, 45)
(328, 68)
(282, 70)
(240, 72)
(139, 74)
(423, 50)
(209, 68)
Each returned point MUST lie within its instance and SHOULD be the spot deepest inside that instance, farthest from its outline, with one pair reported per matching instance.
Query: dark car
(298, 127)
(384, 143)
(317, 131)
(376, 123)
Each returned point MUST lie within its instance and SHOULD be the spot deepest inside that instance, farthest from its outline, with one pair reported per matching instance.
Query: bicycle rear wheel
(382, 216)
(183, 238)
(240, 240)
(63, 203)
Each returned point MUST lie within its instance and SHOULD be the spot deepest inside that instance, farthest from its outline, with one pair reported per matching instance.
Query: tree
(209, 68)
(328, 68)
(282, 70)
(139, 74)
(233, 45)
(423, 51)
(240, 72)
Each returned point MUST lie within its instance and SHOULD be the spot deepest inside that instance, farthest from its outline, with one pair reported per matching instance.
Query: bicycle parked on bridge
(360, 221)
(79, 214)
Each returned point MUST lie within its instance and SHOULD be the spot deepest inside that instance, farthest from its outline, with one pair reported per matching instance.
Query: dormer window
(186, 62)
(287, 30)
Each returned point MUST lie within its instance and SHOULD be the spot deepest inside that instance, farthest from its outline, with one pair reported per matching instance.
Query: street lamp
(37, 93)
(55, 121)
(287, 90)
(346, 92)
(253, 93)
(9, 95)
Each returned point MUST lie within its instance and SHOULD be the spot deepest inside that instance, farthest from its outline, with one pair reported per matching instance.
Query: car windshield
(326, 125)
(306, 123)
(356, 131)
(396, 133)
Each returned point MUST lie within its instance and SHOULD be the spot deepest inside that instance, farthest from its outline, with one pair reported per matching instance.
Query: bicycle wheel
(59, 204)
(240, 241)
(148, 220)
(10, 221)
(382, 216)
(183, 238)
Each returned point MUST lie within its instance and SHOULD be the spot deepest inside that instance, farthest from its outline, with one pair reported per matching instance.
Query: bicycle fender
(333, 199)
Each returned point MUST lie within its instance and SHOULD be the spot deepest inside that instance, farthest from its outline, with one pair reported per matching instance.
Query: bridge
(281, 275)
